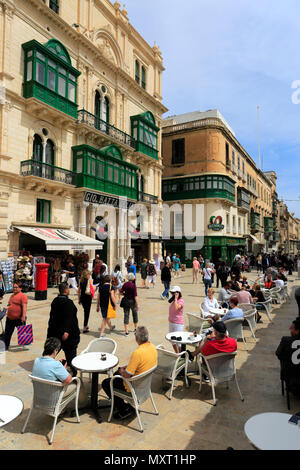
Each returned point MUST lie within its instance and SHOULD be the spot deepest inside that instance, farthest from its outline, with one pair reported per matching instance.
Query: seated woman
(245, 283)
(235, 284)
(269, 282)
(258, 297)
(209, 302)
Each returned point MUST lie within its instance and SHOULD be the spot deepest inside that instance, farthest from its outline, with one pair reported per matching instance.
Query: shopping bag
(25, 335)
(111, 311)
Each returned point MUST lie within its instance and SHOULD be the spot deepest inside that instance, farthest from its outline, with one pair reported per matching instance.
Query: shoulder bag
(111, 311)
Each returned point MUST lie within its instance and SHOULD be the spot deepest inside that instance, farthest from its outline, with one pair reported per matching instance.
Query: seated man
(215, 343)
(47, 367)
(142, 359)
(244, 296)
(234, 311)
(289, 354)
(235, 284)
(225, 294)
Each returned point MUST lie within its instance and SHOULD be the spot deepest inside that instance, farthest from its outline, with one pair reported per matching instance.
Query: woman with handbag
(117, 279)
(86, 292)
(106, 302)
(129, 302)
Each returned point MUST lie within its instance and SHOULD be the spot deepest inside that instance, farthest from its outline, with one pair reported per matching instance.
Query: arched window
(105, 114)
(143, 77)
(137, 71)
(49, 157)
(37, 153)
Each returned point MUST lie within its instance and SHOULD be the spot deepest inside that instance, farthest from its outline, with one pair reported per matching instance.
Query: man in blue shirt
(47, 367)
(132, 269)
(234, 311)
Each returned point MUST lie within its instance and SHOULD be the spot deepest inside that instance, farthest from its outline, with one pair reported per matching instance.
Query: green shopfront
(213, 249)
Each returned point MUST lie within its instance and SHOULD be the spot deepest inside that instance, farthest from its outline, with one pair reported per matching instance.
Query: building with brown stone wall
(204, 163)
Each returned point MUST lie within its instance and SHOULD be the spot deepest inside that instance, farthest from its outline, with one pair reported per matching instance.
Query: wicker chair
(235, 329)
(250, 317)
(195, 322)
(219, 368)
(170, 365)
(52, 397)
(267, 307)
(140, 391)
(105, 345)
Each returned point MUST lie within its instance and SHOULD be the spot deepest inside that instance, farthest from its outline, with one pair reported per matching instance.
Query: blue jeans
(207, 283)
(167, 288)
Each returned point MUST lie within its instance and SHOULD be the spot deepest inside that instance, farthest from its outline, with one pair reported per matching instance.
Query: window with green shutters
(143, 77)
(54, 5)
(49, 75)
(137, 71)
(43, 211)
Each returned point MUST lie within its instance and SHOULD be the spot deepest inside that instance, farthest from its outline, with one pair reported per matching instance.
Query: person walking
(129, 302)
(166, 280)
(63, 324)
(71, 270)
(176, 320)
(152, 273)
(176, 263)
(207, 277)
(196, 269)
(117, 279)
(259, 263)
(144, 267)
(106, 293)
(85, 296)
(16, 312)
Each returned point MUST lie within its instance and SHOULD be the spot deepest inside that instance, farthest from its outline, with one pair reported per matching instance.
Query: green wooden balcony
(44, 170)
(268, 224)
(255, 222)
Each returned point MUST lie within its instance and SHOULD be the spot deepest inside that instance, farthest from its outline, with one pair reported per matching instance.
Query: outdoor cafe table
(92, 363)
(272, 431)
(10, 408)
(187, 338)
(218, 311)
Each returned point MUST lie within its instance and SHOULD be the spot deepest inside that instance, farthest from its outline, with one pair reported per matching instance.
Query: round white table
(10, 408)
(92, 363)
(186, 338)
(272, 431)
(218, 311)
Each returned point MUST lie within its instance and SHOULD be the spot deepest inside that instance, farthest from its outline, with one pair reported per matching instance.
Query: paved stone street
(188, 421)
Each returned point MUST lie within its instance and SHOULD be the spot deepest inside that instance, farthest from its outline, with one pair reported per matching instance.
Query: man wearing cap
(215, 343)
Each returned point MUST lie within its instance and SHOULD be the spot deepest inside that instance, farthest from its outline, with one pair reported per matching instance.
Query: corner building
(80, 117)
(205, 164)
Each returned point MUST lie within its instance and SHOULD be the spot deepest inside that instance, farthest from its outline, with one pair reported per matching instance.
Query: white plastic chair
(250, 317)
(275, 294)
(235, 329)
(52, 397)
(219, 368)
(285, 292)
(169, 364)
(140, 391)
(246, 307)
(105, 345)
(267, 306)
(195, 322)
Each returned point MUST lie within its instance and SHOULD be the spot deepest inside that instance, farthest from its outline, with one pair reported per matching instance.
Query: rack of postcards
(8, 268)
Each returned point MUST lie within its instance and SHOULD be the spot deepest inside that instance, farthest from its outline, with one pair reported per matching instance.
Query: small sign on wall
(216, 223)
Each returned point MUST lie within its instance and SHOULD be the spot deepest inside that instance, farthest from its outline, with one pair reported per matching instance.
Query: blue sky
(233, 55)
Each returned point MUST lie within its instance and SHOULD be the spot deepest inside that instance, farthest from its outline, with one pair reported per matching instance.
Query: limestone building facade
(80, 118)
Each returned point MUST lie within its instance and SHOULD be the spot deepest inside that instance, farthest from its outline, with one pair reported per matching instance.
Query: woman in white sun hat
(152, 273)
(176, 320)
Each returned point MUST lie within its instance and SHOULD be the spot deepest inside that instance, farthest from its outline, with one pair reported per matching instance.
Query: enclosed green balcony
(104, 170)
(243, 199)
(145, 133)
(255, 221)
(198, 187)
(49, 75)
(268, 224)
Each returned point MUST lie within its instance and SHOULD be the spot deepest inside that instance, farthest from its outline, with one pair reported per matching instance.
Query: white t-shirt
(207, 273)
(279, 283)
(207, 304)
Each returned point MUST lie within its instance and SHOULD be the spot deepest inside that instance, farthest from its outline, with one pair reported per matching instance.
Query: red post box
(41, 281)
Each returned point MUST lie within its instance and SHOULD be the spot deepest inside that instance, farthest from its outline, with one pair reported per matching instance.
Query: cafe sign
(216, 223)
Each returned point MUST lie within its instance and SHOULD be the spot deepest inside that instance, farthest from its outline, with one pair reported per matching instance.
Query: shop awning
(57, 239)
(256, 240)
